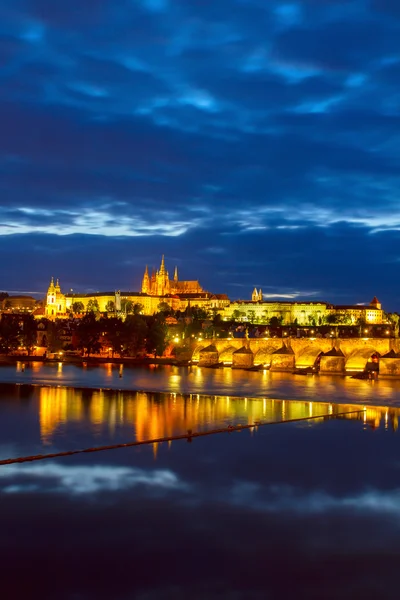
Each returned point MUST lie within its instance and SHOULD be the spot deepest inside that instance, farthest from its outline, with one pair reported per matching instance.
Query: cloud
(76, 480)
(175, 122)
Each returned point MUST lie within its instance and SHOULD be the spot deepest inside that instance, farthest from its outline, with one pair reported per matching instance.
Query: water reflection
(153, 416)
(197, 380)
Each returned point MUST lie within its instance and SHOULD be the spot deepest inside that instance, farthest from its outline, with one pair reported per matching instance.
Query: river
(304, 509)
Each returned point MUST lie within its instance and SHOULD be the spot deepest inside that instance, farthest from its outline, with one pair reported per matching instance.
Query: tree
(275, 321)
(394, 319)
(134, 335)
(251, 315)
(137, 308)
(110, 306)
(156, 341)
(92, 306)
(29, 333)
(311, 320)
(114, 330)
(77, 307)
(199, 314)
(89, 334)
(344, 319)
(164, 307)
(126, 306)
(237, 315)
(217, 320)
(54, 342)
(332, 319)
(361, 322)
(9, 332)
(266, 316)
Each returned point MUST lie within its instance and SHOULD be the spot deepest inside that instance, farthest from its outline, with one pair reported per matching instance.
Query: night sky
(253, 142)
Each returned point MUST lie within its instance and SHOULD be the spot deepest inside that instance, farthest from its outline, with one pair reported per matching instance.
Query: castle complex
(159, 284)
(158, 288)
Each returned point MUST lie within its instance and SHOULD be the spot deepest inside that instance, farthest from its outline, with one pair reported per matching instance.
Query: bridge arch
(264, 356)
(308, 356)
(226, 355)
(196, 352)
(357, 361)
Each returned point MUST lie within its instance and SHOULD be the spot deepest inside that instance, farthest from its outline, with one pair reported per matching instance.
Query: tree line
(130, 337)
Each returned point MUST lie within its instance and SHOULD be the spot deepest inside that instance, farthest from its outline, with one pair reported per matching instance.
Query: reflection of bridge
(334, 355)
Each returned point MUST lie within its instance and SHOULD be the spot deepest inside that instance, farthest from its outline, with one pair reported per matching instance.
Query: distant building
(55, 301)
(157, 289)
(19, 304)
(179, 295)
(303, 313)
(159, 284)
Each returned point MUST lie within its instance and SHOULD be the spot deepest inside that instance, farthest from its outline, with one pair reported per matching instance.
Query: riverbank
(94, 360)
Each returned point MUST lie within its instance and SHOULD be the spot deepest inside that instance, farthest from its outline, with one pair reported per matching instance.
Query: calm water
(197, 380)
(301, 510)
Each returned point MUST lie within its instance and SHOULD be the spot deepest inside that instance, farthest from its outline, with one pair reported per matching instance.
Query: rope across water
(185, 436)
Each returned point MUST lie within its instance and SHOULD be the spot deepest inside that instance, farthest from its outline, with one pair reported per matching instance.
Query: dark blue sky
(252, 142)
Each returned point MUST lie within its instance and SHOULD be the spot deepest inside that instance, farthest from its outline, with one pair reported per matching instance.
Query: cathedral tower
(146, 282)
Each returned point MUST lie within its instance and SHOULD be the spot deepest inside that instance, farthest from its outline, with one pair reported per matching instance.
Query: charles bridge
(334, 355)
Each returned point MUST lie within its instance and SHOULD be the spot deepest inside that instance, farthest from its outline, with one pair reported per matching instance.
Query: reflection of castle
(154, 416)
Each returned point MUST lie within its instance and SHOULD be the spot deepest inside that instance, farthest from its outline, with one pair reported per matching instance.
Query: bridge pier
(283, 359)
(338, 355)
(332, 363)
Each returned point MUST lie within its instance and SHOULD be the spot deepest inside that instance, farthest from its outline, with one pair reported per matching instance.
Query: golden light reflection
(153, 416)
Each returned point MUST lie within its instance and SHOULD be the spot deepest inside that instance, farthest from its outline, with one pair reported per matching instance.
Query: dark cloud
(148, 127)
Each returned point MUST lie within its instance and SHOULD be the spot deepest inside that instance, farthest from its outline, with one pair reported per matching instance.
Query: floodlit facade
(179, 295)
(302, 313)
(157, 289)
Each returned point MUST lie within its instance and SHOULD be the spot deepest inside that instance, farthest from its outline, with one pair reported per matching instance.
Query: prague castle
(159, 284)
(158, 288)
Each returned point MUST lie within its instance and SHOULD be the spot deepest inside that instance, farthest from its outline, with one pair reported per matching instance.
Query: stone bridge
(334, 355)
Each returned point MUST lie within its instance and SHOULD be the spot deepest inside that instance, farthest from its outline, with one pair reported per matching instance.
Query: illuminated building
(55, 300)
(158, 288)
(159, 284)
(179, 295)
(303, 313)
(18, 304)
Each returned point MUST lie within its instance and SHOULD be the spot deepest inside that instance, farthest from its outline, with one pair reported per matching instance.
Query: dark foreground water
(302, 510)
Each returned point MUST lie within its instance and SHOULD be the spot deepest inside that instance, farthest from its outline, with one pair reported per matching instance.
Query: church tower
(146, 282)
(254, 296)
(55, 300)
(51, 293)
(162, 279)
(153, 282)
(176, 275)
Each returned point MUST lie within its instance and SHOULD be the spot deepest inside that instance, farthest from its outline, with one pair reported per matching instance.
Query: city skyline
(153, 273)
(253, 143)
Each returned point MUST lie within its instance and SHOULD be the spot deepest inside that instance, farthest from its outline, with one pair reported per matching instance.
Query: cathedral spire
(162, 267)
(51, 286)
(176, 274)
(146, 281)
